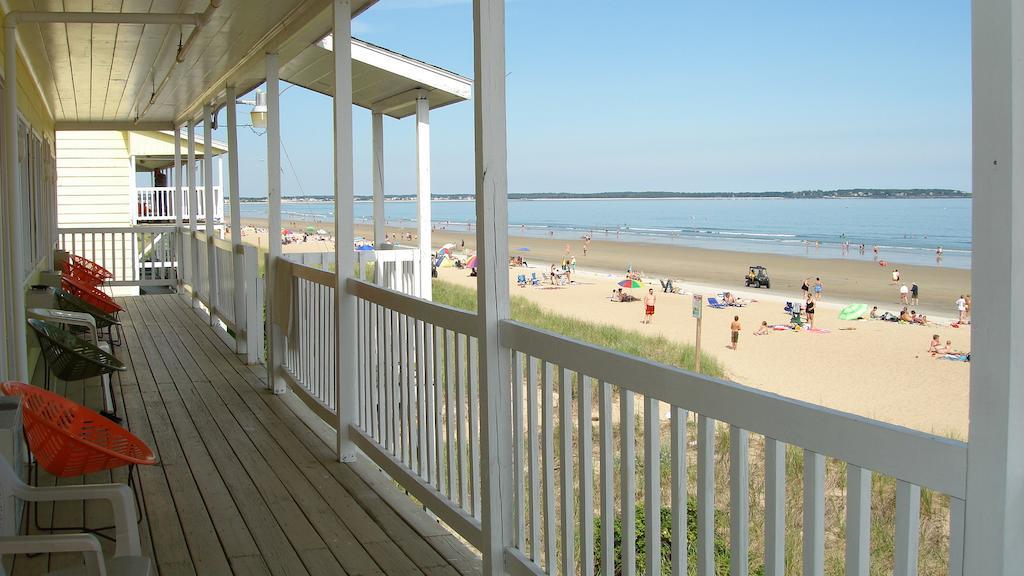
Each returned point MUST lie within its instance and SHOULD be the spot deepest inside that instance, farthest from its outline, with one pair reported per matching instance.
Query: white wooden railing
(235, 301)
(137, 256)
(156, 204)
(583, 461)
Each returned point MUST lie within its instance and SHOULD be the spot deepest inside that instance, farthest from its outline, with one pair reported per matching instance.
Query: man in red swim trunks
(649, 305)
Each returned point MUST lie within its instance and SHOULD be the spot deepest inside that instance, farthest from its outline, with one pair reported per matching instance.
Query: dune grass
(657, 348)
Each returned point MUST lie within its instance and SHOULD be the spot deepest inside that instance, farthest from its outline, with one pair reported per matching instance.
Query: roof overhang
(382, 80)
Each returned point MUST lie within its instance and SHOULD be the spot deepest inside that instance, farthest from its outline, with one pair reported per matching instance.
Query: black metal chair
(71, 303)
(70, 358)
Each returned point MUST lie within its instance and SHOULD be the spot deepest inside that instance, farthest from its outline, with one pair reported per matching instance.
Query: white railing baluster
(532, 424)
(437, 370)
(739, 501)
(584, 442)
(518, 452)
(474, 424)
(957, 510)
(379, 397)
(565, 456)
(627, 480)
(908, 528)
(705, 496)
(450, 403)
(547, 426)
(652, 483)
(774, 508)
(604, 418)
(396, 386)
(858, 520)
(404, 395)
(814, 514)
(460, 420)
(422, 400)
(680, 562)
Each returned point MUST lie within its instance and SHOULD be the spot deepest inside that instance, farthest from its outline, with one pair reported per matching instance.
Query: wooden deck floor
(247, 482)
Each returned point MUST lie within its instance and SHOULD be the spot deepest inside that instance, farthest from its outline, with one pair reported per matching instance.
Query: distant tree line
(912, 193)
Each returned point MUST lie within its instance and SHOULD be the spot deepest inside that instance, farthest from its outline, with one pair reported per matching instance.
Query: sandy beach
(871, 368)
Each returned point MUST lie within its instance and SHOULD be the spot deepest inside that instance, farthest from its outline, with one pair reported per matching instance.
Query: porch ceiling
(382, 80)
(109, 72)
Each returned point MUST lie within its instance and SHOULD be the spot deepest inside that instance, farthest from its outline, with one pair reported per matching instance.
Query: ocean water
(906, 231)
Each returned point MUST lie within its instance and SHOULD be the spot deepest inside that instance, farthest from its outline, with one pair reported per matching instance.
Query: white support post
(239, 273)
(423, 192)
(276, 348)
(179, 234)
(17, 365)
(345, 329)
(995, 462)
(213, 292)
(193, 211)
(378, 185)
(218, 198)
(498, 514)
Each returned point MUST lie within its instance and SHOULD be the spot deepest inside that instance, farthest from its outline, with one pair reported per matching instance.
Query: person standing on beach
(818, 288)
(735, 329)
(904, 294)
(806, 287)
(649, 301)
(961, 308)
(914, 293)
(896, 276)
(809, 311)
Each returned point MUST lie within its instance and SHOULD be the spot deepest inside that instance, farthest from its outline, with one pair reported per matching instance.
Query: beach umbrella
(522, 249)
(285, 232)
(630, 283)
(365, 248)
(310, 230)
(471, 263)
(853, 312)
(321, 231)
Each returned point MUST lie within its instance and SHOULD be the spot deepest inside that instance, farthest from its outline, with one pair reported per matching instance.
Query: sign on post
(697, 301)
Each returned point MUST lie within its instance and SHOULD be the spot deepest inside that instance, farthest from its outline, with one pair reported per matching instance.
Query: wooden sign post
(698, 300)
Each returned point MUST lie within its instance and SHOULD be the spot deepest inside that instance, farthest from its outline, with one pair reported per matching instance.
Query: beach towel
(818, 330)
(956, 357)
(714, 303)
(781, 327)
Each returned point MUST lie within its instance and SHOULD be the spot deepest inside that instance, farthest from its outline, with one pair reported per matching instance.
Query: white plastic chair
(127, 559)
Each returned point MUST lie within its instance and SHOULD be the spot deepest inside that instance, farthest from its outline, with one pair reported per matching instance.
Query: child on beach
(763, 330)
(735, 328)
(936, 344)
(818, 287)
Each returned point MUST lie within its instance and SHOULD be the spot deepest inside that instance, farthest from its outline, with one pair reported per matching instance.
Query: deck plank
(246, 483)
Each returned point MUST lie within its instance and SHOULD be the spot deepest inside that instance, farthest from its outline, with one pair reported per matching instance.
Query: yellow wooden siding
(94, 179)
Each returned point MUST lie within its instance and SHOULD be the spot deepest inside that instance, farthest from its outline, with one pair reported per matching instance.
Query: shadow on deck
(247, 482)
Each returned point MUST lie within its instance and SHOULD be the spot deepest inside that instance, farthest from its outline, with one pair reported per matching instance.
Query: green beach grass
(657, 348)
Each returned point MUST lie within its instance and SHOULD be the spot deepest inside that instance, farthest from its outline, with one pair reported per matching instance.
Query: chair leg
(34, 481)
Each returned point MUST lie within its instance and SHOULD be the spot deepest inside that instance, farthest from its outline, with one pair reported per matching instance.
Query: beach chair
(534, 280)
(789, 308)
(714, 303)
(521, 280)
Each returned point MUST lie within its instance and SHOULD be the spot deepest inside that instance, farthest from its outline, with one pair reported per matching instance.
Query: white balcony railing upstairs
(143, 256)
(156, 204)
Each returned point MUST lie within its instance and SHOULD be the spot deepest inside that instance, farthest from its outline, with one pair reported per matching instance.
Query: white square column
(995, 452)
(345, 328)
(423, 193)
(193, 211)
(377, 120)
(212, 287)
(276, 348)
(179, 234)
(497, 513)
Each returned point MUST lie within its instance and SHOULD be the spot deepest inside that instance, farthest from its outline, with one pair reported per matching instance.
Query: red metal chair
(86, 270)
(68, 439)
(90, 294)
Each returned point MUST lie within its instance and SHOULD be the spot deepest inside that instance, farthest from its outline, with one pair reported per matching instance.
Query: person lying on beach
(918, 319)
(763, 330)
(624, 297)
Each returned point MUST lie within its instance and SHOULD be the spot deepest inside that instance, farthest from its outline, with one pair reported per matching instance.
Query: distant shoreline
(844, 194)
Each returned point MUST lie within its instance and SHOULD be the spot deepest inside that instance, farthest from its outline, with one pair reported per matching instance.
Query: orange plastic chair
(90, 294)
(69, 439)
(86, 270)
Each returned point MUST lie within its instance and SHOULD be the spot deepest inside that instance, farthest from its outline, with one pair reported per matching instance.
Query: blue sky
(685, 96)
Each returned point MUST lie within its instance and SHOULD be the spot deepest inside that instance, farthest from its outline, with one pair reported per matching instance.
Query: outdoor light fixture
(259, 111)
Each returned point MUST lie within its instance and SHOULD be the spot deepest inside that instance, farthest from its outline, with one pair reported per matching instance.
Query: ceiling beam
(126, 125)
(18, 17)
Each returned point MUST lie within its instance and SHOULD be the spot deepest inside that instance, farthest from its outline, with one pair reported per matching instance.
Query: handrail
(915, 457)
(315, 275)
(425, 310)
